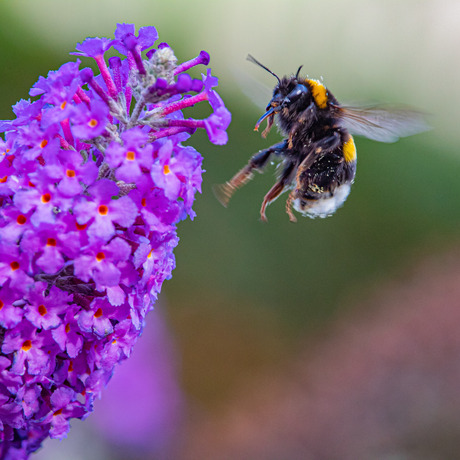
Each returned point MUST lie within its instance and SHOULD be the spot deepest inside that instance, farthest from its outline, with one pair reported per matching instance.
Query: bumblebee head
(289, 93)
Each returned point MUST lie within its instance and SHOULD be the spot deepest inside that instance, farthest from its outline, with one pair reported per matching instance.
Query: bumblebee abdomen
(324, 187)
(327, 173)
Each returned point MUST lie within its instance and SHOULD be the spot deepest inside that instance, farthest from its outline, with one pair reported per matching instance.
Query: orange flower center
(103, 210)
(46, 198)
(14, 265)
(27, 345)
(21, 220)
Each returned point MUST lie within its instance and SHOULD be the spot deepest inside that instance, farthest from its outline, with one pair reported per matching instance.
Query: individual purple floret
(94, 177)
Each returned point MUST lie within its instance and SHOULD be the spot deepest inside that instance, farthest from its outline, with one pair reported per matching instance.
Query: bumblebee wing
(381, 123)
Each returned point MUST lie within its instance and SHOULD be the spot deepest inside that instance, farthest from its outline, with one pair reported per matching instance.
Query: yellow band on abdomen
(349, 150)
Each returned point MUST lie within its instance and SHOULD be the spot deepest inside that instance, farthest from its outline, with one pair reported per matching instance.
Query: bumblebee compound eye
(297, 93)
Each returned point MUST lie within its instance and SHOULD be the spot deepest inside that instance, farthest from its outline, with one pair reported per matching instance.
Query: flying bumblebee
(318, 154)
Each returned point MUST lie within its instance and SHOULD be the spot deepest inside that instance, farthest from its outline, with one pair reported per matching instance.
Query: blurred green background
(247, 298)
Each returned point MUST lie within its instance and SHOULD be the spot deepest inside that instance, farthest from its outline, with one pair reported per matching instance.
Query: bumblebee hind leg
(289, 201)
(304, 166)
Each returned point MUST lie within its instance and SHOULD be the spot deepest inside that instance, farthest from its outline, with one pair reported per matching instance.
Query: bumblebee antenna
(255, 61)
(298, 71)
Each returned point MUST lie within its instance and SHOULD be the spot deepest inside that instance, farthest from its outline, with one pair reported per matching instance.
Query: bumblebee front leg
(225, 191)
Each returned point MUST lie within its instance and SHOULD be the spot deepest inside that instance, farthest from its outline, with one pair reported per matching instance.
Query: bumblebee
(318, 154)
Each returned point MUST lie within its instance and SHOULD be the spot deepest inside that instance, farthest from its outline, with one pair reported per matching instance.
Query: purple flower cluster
(94, 177)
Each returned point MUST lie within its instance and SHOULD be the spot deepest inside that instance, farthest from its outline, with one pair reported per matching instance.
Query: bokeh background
(328, 339)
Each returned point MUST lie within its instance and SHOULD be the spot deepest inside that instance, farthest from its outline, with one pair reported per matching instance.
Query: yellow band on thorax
(349, 150)
(319, 93)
